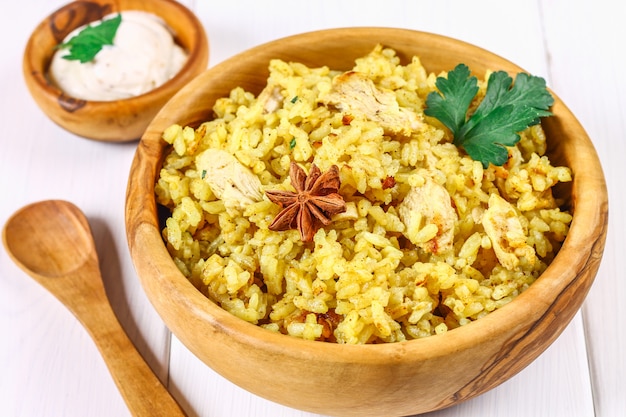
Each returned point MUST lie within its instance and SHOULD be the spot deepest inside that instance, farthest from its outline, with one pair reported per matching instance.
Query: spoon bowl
(52, 242)
(70, 230)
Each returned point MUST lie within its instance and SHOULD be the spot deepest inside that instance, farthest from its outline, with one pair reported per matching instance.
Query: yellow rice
(364, 278)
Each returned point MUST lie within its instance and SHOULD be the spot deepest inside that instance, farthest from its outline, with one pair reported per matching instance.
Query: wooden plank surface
(587, 57)
(50, 367)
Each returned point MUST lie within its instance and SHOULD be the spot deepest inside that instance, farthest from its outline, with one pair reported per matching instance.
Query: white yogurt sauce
(143, 56)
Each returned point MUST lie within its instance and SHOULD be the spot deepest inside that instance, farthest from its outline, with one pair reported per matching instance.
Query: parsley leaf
(88, 42)
(507, 109)
(457, 93)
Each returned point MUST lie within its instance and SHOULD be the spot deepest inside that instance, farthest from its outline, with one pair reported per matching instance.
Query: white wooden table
(50, 367)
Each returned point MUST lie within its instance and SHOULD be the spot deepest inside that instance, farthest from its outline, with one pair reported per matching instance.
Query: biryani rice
(368, 277)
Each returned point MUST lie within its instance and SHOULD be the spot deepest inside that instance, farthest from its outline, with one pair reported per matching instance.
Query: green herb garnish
(502, 114)
(292, 143)
(85, 46)
(294, 99)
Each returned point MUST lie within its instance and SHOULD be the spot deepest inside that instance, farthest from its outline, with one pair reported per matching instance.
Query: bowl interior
(380, 379)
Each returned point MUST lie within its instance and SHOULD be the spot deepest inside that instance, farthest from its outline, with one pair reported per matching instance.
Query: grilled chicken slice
(429, 217)
(506, 232)
(356, 94)
(229, 179)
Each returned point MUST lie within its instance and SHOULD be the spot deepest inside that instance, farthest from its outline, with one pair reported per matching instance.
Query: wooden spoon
(52, 242)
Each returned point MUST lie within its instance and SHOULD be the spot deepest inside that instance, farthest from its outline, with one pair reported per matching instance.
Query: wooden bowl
(385, 379)
(120, 120)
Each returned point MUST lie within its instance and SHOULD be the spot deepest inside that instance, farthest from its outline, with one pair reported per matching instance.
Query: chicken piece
(270, 98)
(506, 232)
(425, 208)
(230, 181)
(354, 93)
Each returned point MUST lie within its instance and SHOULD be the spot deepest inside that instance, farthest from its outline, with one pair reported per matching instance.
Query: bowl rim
(561, 275)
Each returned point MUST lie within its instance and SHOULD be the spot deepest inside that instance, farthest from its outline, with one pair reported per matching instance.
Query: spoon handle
(142, 391)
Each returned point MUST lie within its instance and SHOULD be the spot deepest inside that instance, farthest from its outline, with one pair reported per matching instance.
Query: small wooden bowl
(113, 121)
(387, 379)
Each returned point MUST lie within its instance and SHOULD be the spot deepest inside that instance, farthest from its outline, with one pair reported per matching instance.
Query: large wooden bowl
(374, 380)
(112, 121)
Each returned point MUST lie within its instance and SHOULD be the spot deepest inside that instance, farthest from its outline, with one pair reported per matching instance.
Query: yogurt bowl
(113, 120)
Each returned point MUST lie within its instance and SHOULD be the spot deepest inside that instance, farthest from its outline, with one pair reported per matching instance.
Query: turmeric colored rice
(391, 267)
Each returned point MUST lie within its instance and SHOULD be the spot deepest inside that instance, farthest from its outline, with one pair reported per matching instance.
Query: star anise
(312, 204)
